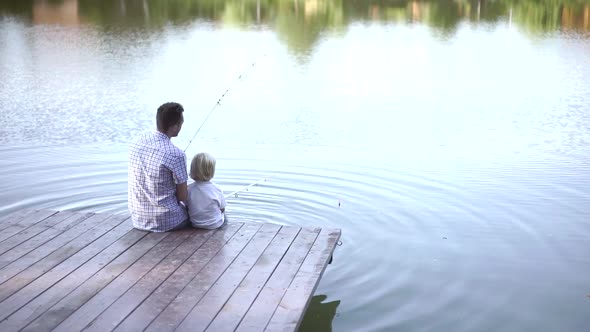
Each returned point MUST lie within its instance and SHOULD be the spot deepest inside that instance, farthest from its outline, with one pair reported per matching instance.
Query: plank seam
(82, 218)
(17, 214)
(196, 273)
(220, 275)
(317, 282)
(150, 270)
(64, 244)
(43, 230)
(290, 282)
(241, 280)
(36, 313)
(29, 226)
(60, 279)
(267, 279)
(163, 281)
(90, 298)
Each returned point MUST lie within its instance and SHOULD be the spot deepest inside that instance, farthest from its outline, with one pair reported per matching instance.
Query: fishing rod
(235, 193)
(218, 103)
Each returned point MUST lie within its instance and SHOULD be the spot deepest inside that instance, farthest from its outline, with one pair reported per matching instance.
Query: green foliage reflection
(300, 23)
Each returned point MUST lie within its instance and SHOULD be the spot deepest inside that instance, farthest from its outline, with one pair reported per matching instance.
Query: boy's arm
(221, 201)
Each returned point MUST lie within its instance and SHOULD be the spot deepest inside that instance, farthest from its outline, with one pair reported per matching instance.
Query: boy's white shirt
(205, 201)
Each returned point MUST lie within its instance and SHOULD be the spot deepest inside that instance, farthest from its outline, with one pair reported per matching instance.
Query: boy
(206, 204)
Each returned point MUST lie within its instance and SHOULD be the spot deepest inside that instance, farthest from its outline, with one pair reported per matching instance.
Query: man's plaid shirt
(155, 167)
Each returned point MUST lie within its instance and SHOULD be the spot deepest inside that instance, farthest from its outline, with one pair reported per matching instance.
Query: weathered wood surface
(68, 271)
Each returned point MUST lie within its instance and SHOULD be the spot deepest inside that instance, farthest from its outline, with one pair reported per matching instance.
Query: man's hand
(182, 193)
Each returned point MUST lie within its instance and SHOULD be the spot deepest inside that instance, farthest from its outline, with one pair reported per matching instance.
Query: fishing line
(235, 193)
(218, 103)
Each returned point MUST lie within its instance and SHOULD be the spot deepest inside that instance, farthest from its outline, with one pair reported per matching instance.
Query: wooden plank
(289, 313)
(11, 227)
(26, 247)
(19, 298)
(260, 312)
(192, 293)
(240, 301)
(27, 216)
(66, 306)
(95, 306)
(16, 215)
(34, 249)
(141, 317)
(110, 318)
(209, 305)
(100, 277)
(41, 230)
(23, 271)
(33, 309)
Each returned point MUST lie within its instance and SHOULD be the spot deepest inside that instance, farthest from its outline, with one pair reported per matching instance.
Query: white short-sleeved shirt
(156, 166)
(205, 201)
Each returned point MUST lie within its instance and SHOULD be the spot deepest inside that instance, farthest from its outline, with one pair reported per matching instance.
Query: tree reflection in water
(300, 23)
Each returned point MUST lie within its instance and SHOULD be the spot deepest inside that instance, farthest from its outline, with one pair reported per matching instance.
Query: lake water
(449, 140)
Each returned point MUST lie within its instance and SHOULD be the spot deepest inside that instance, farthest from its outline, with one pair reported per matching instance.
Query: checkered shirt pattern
(155, 167)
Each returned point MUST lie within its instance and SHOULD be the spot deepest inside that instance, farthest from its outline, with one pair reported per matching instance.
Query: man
(157, 175)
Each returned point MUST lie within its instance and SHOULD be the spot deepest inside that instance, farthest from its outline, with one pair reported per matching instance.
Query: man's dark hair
(169, 114)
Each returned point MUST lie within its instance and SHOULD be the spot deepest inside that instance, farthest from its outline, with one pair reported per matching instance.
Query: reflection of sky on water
(494, 85)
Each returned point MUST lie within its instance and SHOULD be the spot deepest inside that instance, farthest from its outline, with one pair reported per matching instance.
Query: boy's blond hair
(202, 167)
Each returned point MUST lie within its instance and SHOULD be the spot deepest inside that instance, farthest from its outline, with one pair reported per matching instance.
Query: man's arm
(182, 193)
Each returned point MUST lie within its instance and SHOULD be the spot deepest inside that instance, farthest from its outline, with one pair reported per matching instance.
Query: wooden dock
(68, 271)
